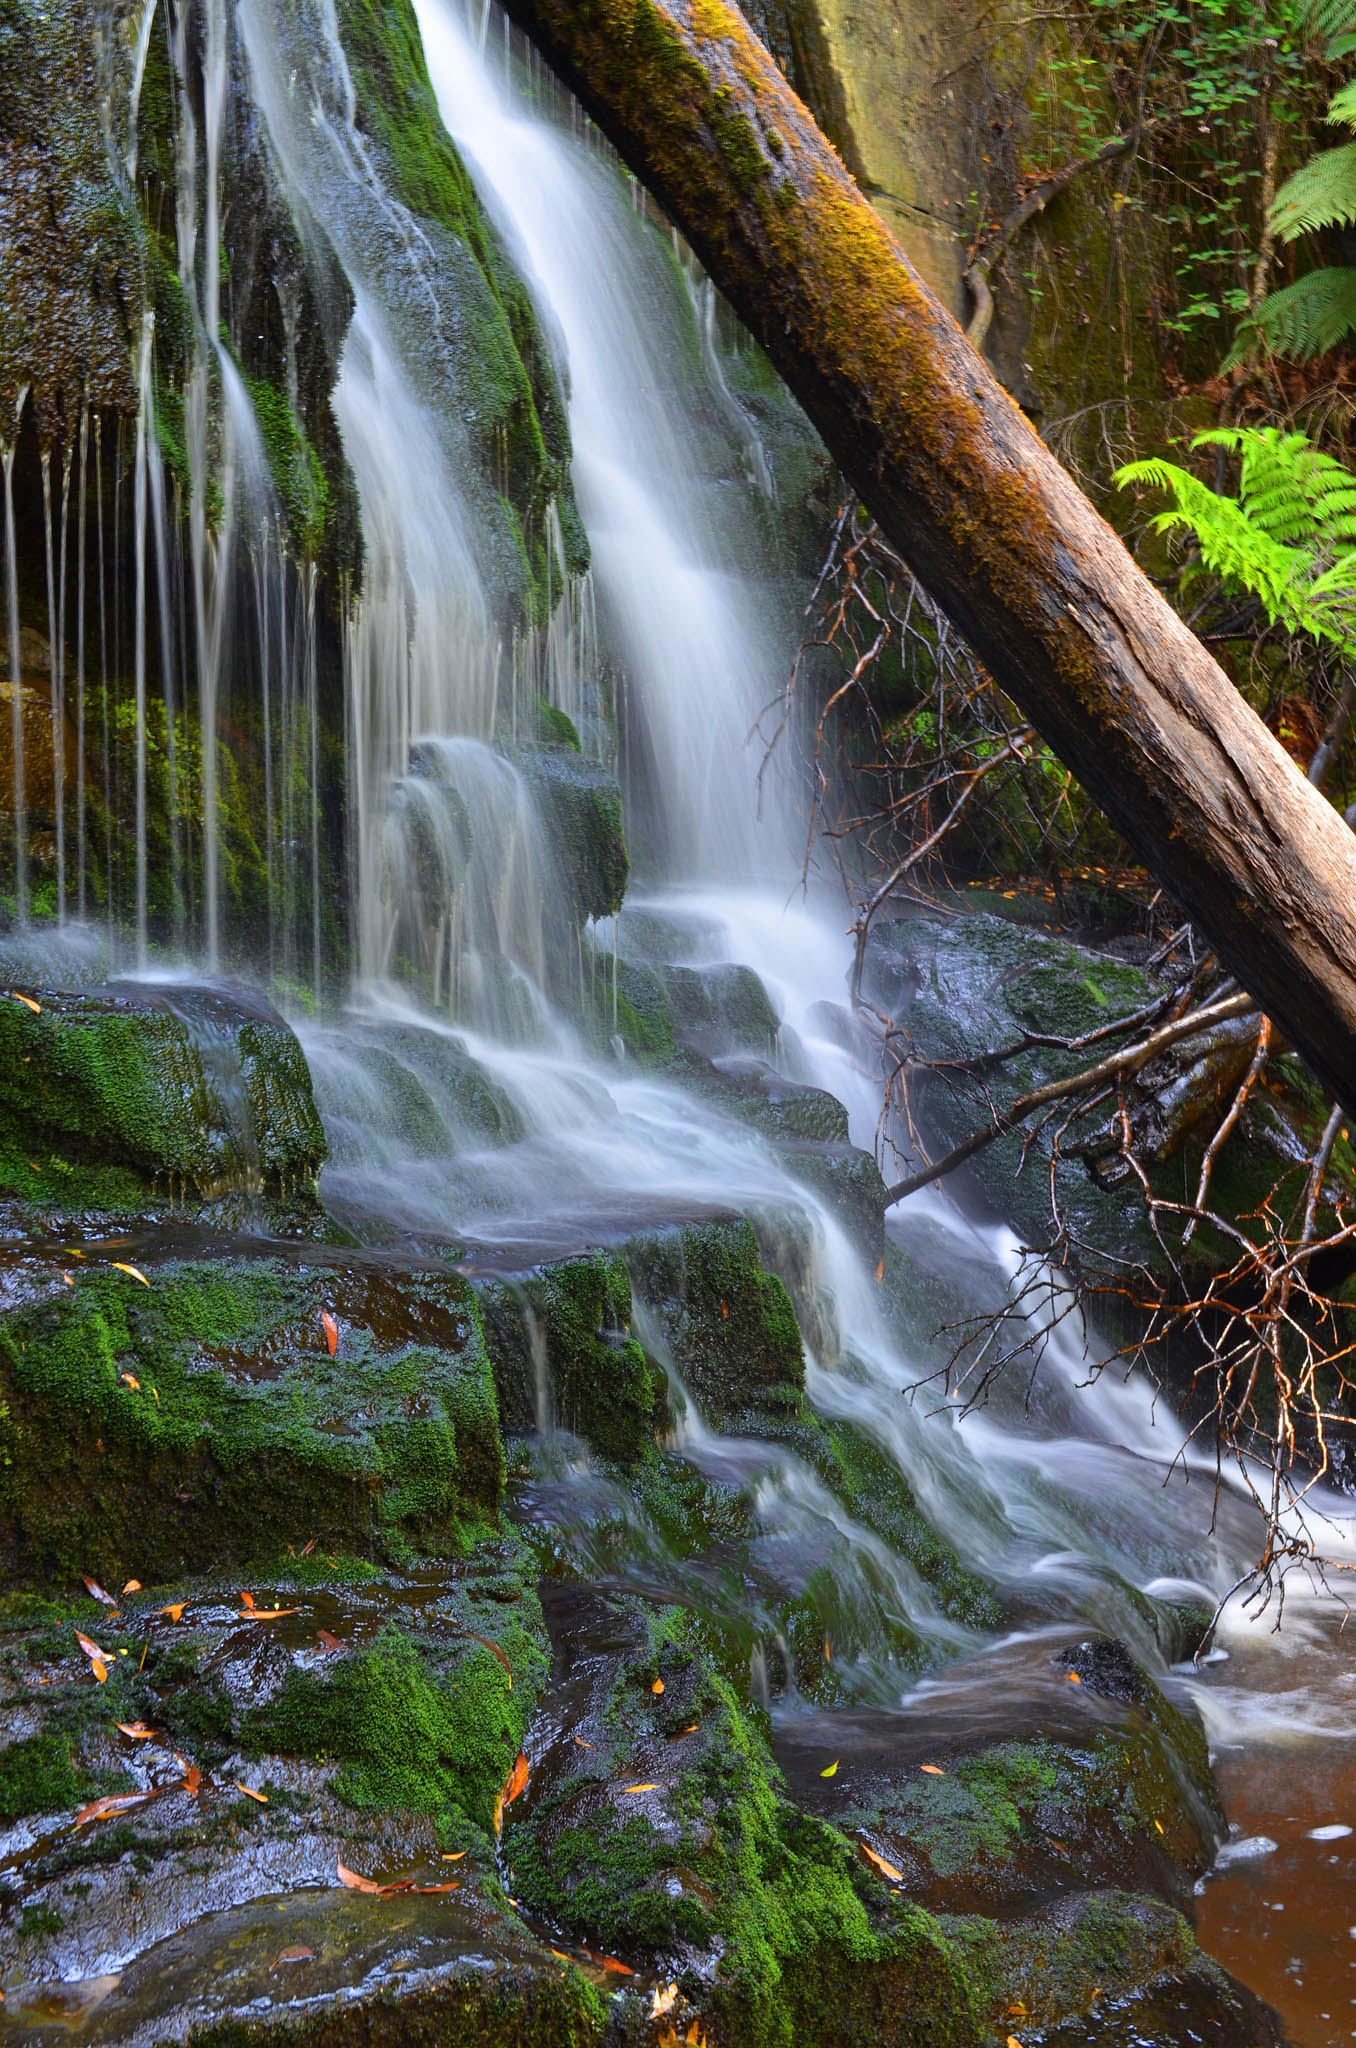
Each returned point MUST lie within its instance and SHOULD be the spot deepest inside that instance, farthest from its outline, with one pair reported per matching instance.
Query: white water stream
(1069, 1503)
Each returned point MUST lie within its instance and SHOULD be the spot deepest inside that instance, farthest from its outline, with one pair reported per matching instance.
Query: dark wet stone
(132, 1097)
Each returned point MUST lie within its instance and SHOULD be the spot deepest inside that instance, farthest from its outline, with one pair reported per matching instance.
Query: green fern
(1288, 539)
(1300, 320)
(1333, 20)
(1320, 194)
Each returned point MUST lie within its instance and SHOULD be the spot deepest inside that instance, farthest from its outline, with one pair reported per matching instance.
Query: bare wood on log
(961, 484)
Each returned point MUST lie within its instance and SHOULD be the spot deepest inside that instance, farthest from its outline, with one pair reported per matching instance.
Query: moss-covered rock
(497, 360)
(203, 1418)
(116, 1099)
(728, 1324)
(581, 807)
(560, 1338)
(1096, 1781)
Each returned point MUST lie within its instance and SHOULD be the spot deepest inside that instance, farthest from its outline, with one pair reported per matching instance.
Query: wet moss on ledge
(212, 1394)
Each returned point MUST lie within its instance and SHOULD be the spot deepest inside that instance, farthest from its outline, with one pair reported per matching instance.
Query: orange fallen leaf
(117, 1802)
(880, 1271)
(28, 1001)
(619, 1969)
(933, 1770)
(454, 1886)
(296, 1954)
(517, 1780)
(1074, 1678)
(132, 1586)
(582, 1744)
(247, 1600)
(664, 2001)
(192, 1779)
(307, 1548)
(331, 1329)
(69, 1279)
(261, 1797)
(96, 1592)
(561, 1956)
(99, 1668)
(724, 1310)
(176, 1611)
(129, 1381)
(327, 1641)
(451, 1855)
(138, 1730)
(638, 1788)
(356, 1883)
(1013, 2042)
(828, 1654)
(831, 1770)
(91, 1648)
(691, 1729)
(658, 1686)
(879, 1863)
(136, 1273)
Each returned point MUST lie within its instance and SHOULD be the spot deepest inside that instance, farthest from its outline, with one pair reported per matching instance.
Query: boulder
(133, 1097)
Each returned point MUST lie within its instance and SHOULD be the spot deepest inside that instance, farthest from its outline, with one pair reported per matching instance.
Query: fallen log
(963, 486)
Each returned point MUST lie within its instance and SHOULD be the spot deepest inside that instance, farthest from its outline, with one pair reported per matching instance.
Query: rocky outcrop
(133, 1098)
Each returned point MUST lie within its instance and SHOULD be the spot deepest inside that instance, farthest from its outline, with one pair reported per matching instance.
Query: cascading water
(674, 568)
(463, 1101)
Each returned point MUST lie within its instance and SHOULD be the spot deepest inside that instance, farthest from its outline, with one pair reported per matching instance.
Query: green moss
(111, 1086)
(295, 467)
(555, 729)
(581, 807)
(600, 1382)
(781, 1897)
(728, 1322)
(37, 1775)
(410, 1729)
(869, 1482)
(241, 1427)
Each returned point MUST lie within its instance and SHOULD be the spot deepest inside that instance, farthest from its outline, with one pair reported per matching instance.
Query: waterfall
(673, 567)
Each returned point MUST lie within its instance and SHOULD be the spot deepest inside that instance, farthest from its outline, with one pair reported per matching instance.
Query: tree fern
(1334, 20)
(1305, 319)
(1320, 194)
(1288, 539)
(1300, 320)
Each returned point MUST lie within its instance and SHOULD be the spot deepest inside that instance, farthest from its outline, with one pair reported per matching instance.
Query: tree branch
(1117, 1064)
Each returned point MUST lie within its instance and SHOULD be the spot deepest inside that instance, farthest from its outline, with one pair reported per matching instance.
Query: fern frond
(1289, 538)
(1319, 194)
(1342, 106)
(1301, 320)
(1340, 46)
(1329, 18)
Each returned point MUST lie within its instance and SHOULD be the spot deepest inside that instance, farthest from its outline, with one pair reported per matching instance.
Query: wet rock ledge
(338, 1704)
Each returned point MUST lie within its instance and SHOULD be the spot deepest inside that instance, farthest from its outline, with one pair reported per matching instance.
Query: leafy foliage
(1318, 311)
(1303, 319)
(1288, 539)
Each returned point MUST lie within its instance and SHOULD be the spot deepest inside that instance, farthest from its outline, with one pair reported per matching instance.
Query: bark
(964, 488)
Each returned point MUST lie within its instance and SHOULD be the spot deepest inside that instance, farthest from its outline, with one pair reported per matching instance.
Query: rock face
(131, 1097)
(424, 1696)
(214, 1388)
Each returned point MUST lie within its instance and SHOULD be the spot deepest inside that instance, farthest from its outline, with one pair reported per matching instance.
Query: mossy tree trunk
(963, 486)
